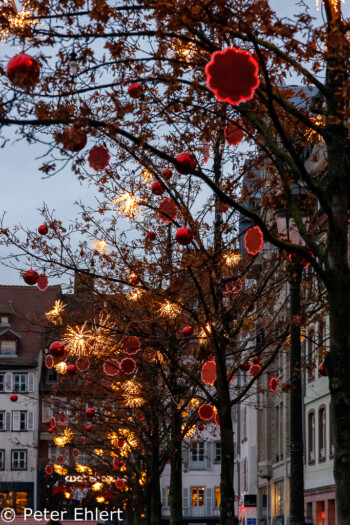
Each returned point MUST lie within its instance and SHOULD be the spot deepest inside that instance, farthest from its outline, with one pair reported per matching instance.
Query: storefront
(17, 496)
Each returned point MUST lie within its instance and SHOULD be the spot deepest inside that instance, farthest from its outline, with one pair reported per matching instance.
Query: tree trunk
(175, 491)
(155, 496)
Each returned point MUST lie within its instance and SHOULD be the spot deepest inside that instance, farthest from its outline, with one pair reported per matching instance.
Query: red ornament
(245, 366)
(74, 139)
(167, 174)
(82, 364)
(158, 188)
(50, 431)
(322, 371)
(43, 229)
(128, 366)
(273, 384)
(90, 412)
(23, 71)
(48, 470)
(232, 75)
(186, 163)
(120, 442)
(31, 277)
(53, 422)
(139, 415)
(167, 210)
(60, 459)
(208, 373)
(62, 418)
(71, 370)
(75, 453)
(256, 360)
(14, 398)
(295, 258)
(115, 464)
(234, 286)
(111, 367)
(151, 236)
(200, 427)
(131, 345)
(120, 484)
(135, 90)
(206, 412)
(43, 282)
(254, 370)
(88, 428)
(134, 280)
(184, 236)
(57, 349)
(233, 133)
(49, 361)
(253, 240)
(187, 331)
(99, 158)
(48, 422)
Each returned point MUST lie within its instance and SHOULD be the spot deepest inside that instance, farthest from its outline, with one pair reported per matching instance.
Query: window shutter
(209, 446)
(30, 420)
(8, 382)
(185, 498)
(15, 420)
(185, 456)
(31, 382)
(8, 421)
(209, 503)
(164, 497)
(45, 412)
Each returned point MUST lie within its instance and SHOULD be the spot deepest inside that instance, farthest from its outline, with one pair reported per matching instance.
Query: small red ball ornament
(232, 75)
(48, 470)
(43, 229)
(131, 345)
(256, 360)
(111, 367)
(49, 362)
(151, 236)
(254, 370)
(31, 277)
(57, 349)
(128, 366)
(135, 90)
(273, 384)
(167, 210)
(13, 398)
(88, 428)
(158, 188)
(200, 427)
(253, 240)
(206, 412)
(120, 484)
(74, 139)
(60, 459)
(48, 422)
(75, 453)
(99, 158)
(245, 367)
(208, 373)
(322, 371)
(71, 370)
(50, 431)
(90, 412)
(134, 280)
(23, 71)
(184, 236)
(167, 174)
(187, 331)
(234, 286)
(186, 163)
(233, 133)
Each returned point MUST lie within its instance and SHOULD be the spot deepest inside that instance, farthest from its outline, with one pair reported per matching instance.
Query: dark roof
(26, 307)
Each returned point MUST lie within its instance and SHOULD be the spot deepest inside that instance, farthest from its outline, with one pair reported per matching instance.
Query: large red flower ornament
(99, 158)
(131, 345)
(167, 210)
(232, 75)
(233, 133)
(208, 373)
(234, 286)
(206, 412)
(254, 240)
(128, 365)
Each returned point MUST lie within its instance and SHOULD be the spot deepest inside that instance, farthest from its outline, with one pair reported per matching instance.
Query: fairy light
(311, 135)
(100, 499)
(190, 432)
(147, 176)
(60, 470)
(128, 205)
(143, 478)
(55, 314)
(99, 451)
(169, 309)
(78, 340)
(97, 486)
(109, 480)
(184, 50)
(67, 495)
(132, 395)
(100, 247)
(67, 437)
(83, 469)
(134, 295)
(61, 367)
(231, 258)
(16, 22)
(203, 334)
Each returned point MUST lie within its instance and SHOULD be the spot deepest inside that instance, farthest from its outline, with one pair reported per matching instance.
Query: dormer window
(8, 347)
(4, 319)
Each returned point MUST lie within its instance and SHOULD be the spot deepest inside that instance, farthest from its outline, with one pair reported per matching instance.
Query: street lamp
(288, 230)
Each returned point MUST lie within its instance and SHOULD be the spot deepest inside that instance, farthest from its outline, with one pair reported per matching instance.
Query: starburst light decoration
(311, 135)
(97, 486)
(134, 295)
(132, 394)
(128, 205)
(78, 340)
(182, 49)
(67, 437)
(190, 432)
(231, 258)
(147, 176)
(17, 21)
(61, 367)
(56, 313)
(169, 309)
(83, 469)
(203, 333)
(60, 470)
(100, 247)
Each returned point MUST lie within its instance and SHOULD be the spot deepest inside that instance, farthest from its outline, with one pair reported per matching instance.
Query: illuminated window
(197, 496)
(19, 460)
(21, 502)
(4, 319)
(278, 498)
(217, 497)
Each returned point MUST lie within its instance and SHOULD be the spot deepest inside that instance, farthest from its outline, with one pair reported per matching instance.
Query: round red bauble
(245, 366)
(234, 286)
(48, 422)
(186, 163)
(253, 240)
(233, 133)
(74, 139)
(295, 258)
(206, 412)
(151, 236)
(43, 229)
(167, 174)
(135, 90)
(158, 188)
(273, 384)
(88, 428)
(120, 484)
(23, 71)
(128, 366)
(71, 370)
(50, 431)
(13, 398)
(60, 459)
(134, 280)
(99, 158)
(200, 427)
(75, 453)
(184, 236)
(30, 277)
(48, 470)
(322, 371)
(208, 373)
(254, 370)
(256, 360)
(57, 349)
(167, 210)
(232, 75)
(131, 345)
(90, 412)
(187, 331)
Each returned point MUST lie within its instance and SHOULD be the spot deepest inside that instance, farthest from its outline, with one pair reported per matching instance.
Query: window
(245, 474)
(20, 382)
(311, 436)
(217, 453)
(278, 500)
(51, 375)
(197, 494)
(2, 420)
(8, 347)
(331, 432)
(217, 497)
(19, 420)
(279, 433)
(19, 460)
(322, 429)
(310, 356)
(2, 382)
(321, 343)
(198, 451)
(2, 459)
(4, 319)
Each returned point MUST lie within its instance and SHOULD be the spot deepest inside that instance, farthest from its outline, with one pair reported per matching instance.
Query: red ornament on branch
(232, 75)
(120, 484)
(43, 229)
(184, 236)
(128, 366)
(30, 277)
(186, 163)
(74, 139)
(131, 345)
(88, 428)
(233, 133)
(23, 71)
(234, 286)
(43, 282)
(167, 210)
(48, 470)
(295, 258)
(200, 427)
(111, 367)
(187, 331)
(49, 362)
(273, 384)
(13, 398)
(253, 240)
(62, 418)
(99, 158)
(256, 360)
(208, 373)
(71, 370)
(322, 371)
(151, 236)
(158, 188)
(82, 364)
(90, 412)
(254, 370)
(245, 367)
(57, 349)
(135, 90)
(75, 453)
(167, 174)
(206, 412)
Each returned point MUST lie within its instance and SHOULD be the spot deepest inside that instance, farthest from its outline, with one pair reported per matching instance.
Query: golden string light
(16, 22)
(99, 451)
(78, 340)
(231, 258)
(97, 486)
(334, 3)
(134, 295)
(311, 135)
(203, 333)
(61, 367)
(56, 313)
(67, 437)
(169, 309)
(181, 49)
(60, 470)
(128, 205)
(147, 176)
(100, 247)
(132, 394)
(82, 469)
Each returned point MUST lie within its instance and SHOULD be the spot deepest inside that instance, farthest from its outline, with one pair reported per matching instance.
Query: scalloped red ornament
(253, 240)
(273, 384)
(111, 367)
(99, 157)
(128, 365)
(120, 484)
(206, 412)
(234, 286)
(233, 133)
(43, 282)
(208, 373)
(23, 71)
(131, 345)
(48, 470)
(167, 210)
(254, 370)
(49, 361)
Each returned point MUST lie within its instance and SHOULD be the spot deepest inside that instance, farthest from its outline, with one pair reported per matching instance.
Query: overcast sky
(23, 190)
